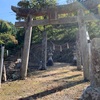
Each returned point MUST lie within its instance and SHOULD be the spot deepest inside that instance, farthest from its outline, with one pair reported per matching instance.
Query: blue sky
(7, 14)
(5, 10)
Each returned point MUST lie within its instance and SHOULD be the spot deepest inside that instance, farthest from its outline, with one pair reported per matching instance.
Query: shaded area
(59, 82)
(55, 74)
(54, 90)
(33, 70)
(75, 70)
(67, 77)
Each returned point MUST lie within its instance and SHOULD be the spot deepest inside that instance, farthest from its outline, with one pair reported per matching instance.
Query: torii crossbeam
(60, 9)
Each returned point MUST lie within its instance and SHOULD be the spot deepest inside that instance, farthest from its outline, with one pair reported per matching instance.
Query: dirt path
(60, 82)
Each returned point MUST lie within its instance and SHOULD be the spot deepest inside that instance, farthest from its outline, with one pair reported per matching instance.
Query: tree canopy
(7, 34)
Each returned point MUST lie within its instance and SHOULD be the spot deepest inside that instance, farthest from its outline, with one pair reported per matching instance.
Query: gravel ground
(59, 82)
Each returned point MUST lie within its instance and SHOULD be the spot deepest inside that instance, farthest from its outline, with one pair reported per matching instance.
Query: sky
(7, 14)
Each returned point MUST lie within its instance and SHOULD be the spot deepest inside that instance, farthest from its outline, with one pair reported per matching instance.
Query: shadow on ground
(35, 71)
(54, 90)
(54, 74)
(65, 78)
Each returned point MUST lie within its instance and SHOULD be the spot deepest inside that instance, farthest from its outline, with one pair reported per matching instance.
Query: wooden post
(44, 51)
(4, 77)
(83, 44)
(1, 64)
(26, 50)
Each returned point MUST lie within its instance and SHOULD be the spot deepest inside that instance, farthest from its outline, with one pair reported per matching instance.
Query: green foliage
(20, 37)
(13, 29)
(62, 33)
(94, 29)
(38, 4)
(7, 27)
(24, 4)
(4, 26)
(8, 40)
(7, 34)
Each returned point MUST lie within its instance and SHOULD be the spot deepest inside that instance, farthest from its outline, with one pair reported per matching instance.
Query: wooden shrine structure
(52, 14)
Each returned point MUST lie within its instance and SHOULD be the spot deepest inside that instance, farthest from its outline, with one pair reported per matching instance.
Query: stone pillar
(93, 91)
(50, 59)
(44, 51)
(78, 52)
(95, 62)
(78, 58)
(26, 50)
(83, 44)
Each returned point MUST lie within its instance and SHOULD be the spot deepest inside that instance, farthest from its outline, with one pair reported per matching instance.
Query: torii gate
(52, 13)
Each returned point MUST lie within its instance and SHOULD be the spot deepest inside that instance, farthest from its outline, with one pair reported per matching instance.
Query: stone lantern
(50, 60)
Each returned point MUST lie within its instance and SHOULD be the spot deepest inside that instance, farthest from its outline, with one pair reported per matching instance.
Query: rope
(55, 46)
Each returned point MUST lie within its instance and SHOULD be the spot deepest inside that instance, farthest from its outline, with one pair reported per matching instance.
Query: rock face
(93, 91)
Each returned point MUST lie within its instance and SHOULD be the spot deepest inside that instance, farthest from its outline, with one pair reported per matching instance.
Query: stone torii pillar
(92, 92)
(83, 44)
(44, 51)
(26, 50)
(78, 52)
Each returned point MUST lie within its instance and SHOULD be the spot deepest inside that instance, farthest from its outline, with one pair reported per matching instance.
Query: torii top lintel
(60, 9)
